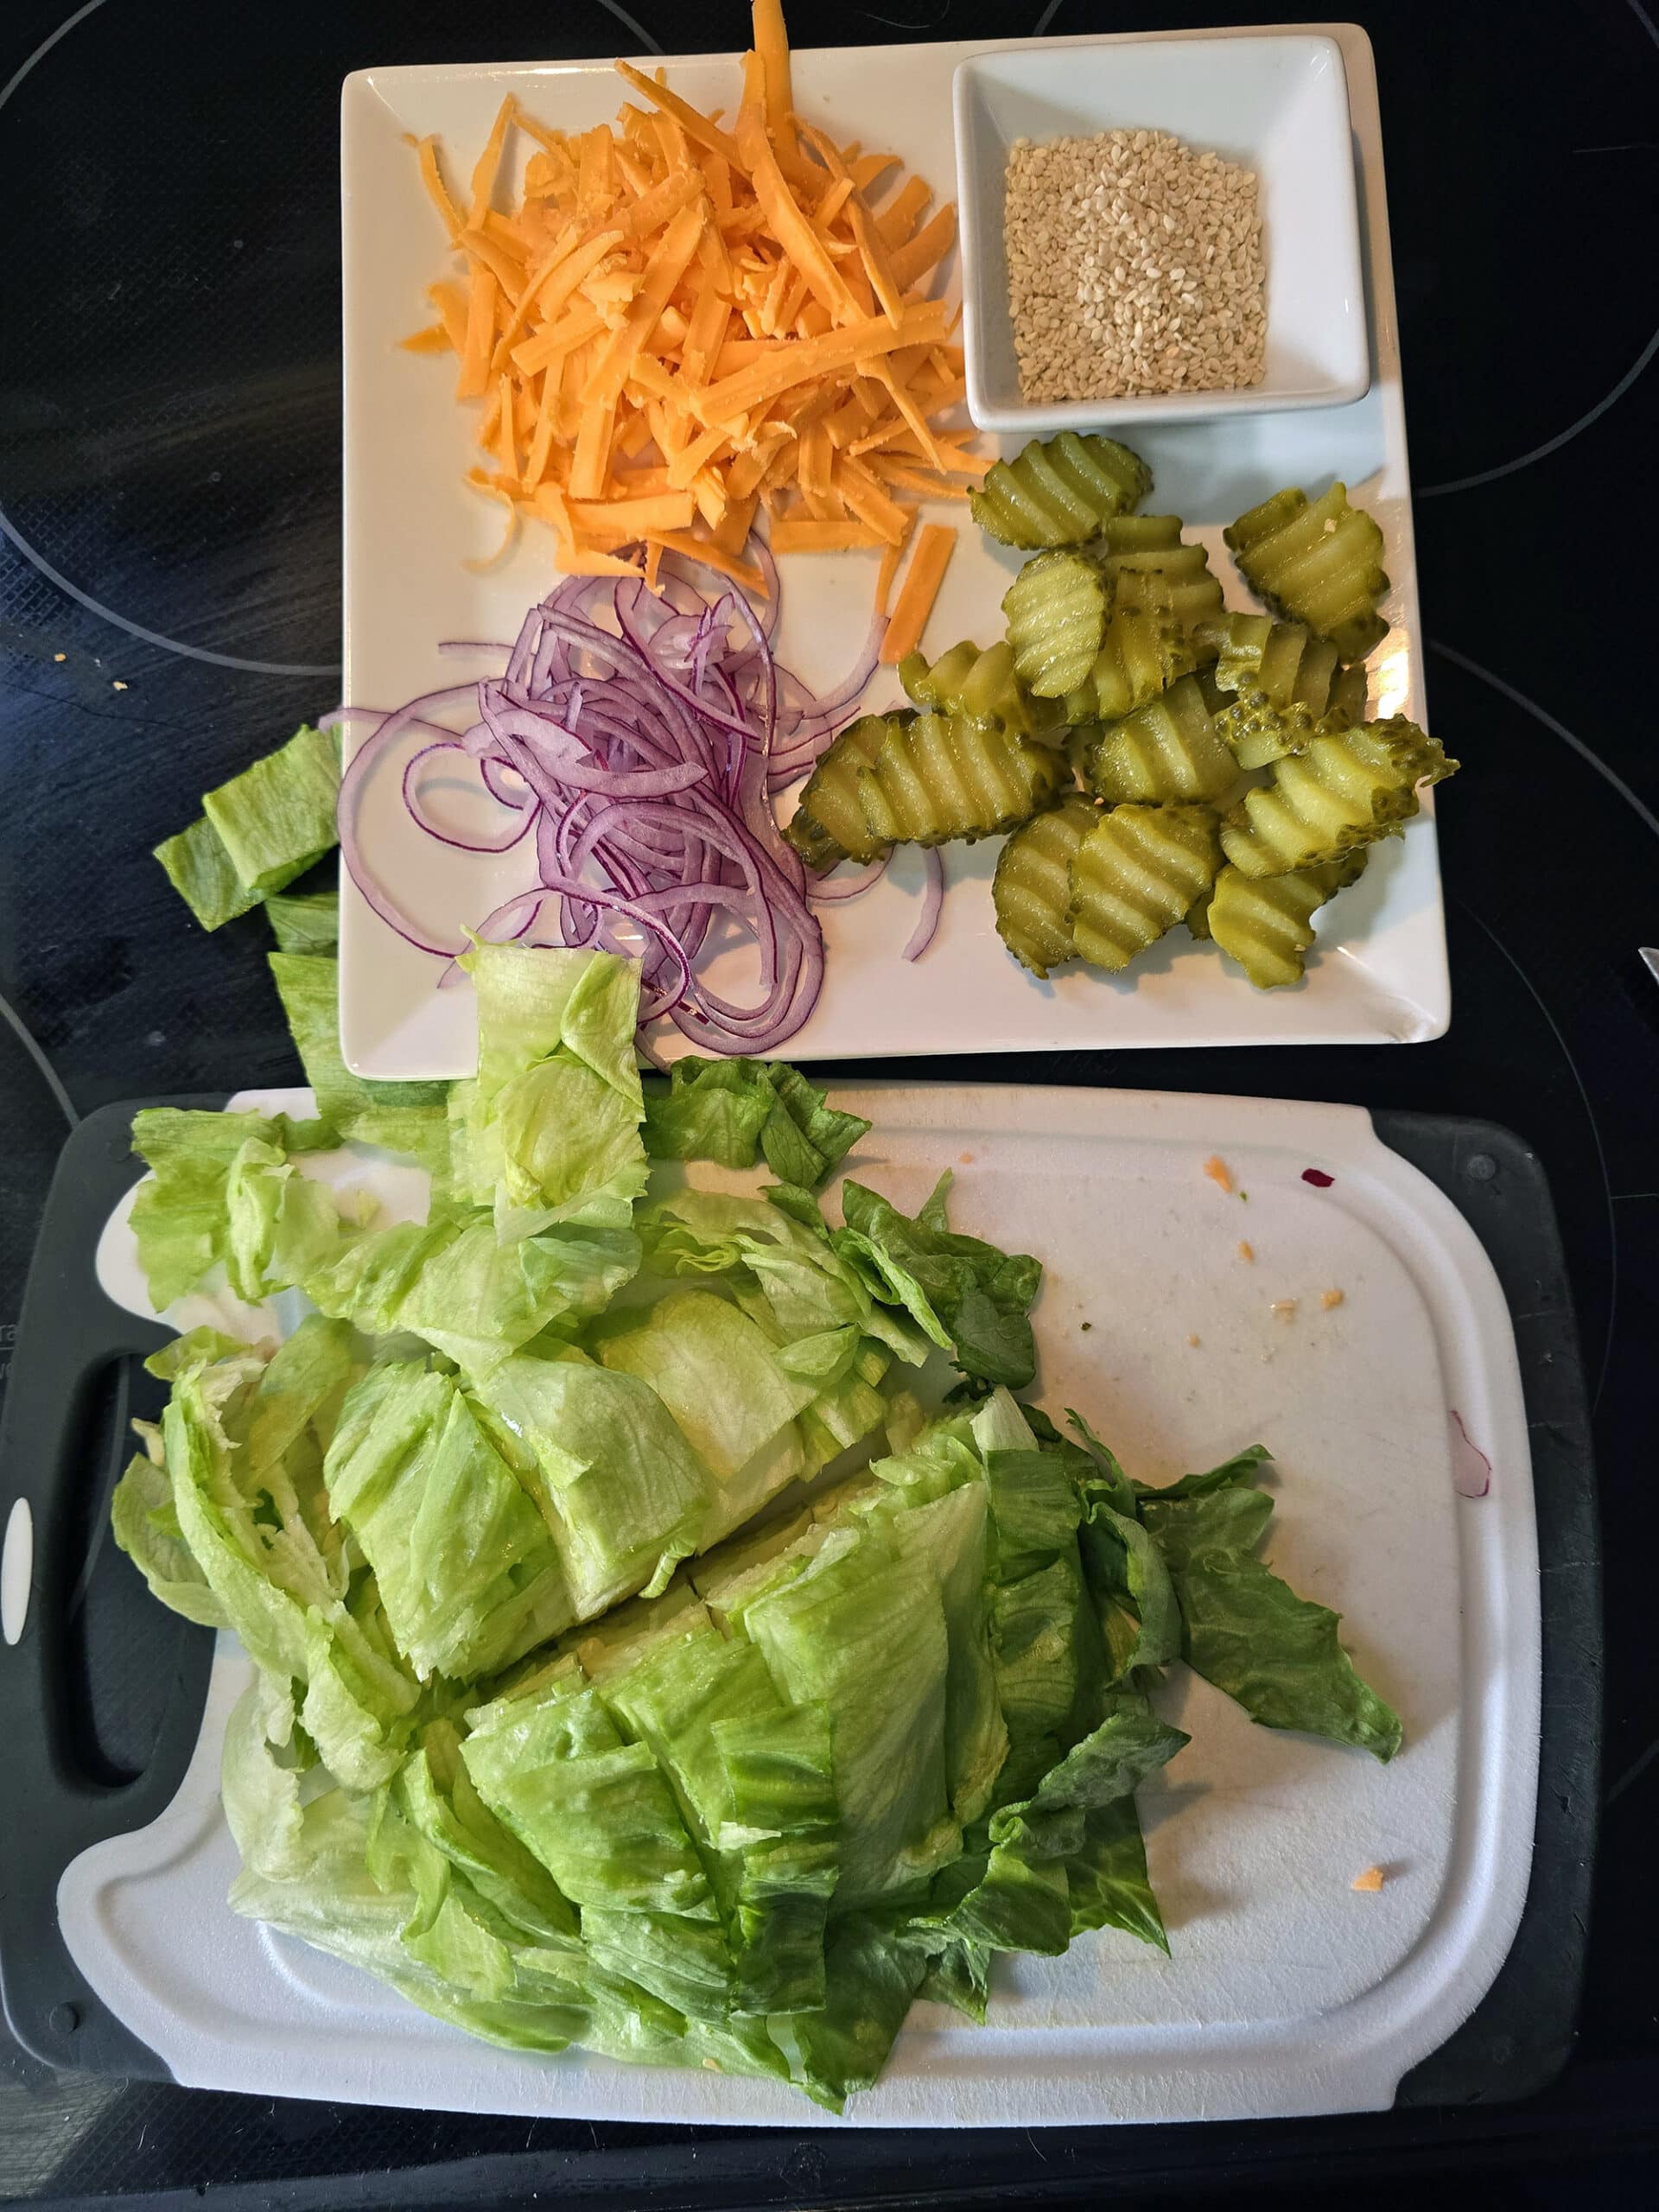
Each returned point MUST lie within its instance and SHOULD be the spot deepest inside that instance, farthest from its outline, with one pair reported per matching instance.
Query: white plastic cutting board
(410, 523)
(1287, 1992)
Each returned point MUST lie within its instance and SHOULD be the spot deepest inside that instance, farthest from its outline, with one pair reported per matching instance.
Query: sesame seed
(1136, 264)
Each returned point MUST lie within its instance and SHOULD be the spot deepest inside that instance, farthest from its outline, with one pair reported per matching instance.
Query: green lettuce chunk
(179, 1216)
(467, 1570)
(244, 1443)
(147, 1529)
(276, 818)
(733, 1111)
(1022, 1900)
(1244, 1629)
(202, 871)
(719, 1376)
(259, 831)
(549, 1130)
(860, 1613)
(604, 1459)
(870, 1981)
(280, 1226)
(971, 1299)
(597, 1811)
(452, 1282)
(306, 921)
(406, 1117)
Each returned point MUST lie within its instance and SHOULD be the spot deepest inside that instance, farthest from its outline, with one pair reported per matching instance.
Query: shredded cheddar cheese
(683, 319)
(918, 591)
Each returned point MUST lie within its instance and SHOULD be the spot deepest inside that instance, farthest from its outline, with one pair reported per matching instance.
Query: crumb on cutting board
(1370, 1881)
(1284, 1309)
(1332, 1298)
(1246, 1251)
(1194, 1342)
(1217, 1169)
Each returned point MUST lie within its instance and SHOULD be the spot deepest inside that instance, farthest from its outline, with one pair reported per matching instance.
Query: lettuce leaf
(304, 921)
(276, 818)
(971, 1299)
(803, 1136)
(406, 1117)
(146, 1527)
(202, 873)
(949, 1536)
(615, 1479)
(453, 1283)
(179, 1216)
(467, 1570)
(263, 1771)
(549, 1130)
(862, 1613)
(708, 1109)
(596, 1810)
(244, 1442)
(280, 1226)
(814, 1302)
(1107, 1882)
(434, 1793)
(732, 1110)
(870, 1981)
(259, 831)
(1244, 1629)
(721, 1379)
(1134, 1598)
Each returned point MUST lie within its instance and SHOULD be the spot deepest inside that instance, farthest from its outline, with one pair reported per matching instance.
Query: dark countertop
(168, 500)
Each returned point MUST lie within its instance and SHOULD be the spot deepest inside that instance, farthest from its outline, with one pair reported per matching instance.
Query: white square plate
(1277, 105)
(411, 521)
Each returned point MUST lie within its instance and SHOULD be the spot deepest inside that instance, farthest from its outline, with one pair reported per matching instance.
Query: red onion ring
(529, 806)
(640, 735)
(831, 888)
(932, 901)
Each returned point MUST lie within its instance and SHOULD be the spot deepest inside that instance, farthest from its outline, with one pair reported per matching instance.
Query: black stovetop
(169, 606)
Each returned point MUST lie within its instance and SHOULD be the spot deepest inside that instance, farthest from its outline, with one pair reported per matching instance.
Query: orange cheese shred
(934, 546)
(892, 556)
(683, 316)
(796, 536)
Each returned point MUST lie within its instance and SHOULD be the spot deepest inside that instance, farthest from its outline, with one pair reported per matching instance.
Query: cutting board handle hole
(112, 1652)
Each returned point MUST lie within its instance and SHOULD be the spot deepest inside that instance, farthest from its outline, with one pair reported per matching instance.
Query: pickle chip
(1318, 561)
(1059, 491)
(1348, 788)
(1031, 888)
(1140, 870)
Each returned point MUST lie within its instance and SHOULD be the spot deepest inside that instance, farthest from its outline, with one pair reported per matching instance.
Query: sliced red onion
(527, 808)
(640, 735)
(833, 887)
(350, 784)
(932, 900)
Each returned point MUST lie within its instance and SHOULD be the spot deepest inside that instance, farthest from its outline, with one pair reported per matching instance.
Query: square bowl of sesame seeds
(1155, 229)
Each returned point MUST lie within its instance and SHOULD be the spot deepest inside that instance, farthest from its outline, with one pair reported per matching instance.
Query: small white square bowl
(1278, 103)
